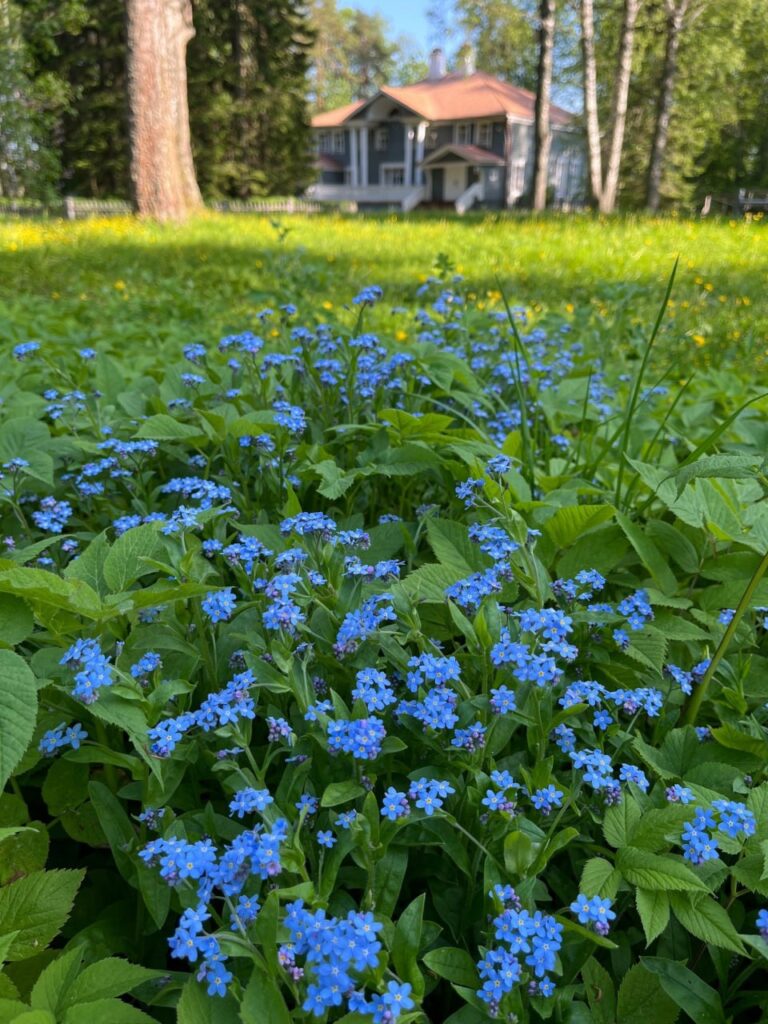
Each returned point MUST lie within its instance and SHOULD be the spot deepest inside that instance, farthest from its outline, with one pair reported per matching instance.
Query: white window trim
(467, 126)
(484, 127)
(381, 133)
(390, 167)
(338, 141)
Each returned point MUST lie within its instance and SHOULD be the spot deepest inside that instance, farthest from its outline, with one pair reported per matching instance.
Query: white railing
(412, 200)
(475, 193)
(379, 194)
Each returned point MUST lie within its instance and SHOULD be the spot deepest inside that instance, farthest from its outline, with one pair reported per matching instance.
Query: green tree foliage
(28, 166)
(247, 67)
(354, 55)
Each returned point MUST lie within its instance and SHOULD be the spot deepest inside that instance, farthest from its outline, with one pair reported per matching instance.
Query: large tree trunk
(676, 11)
(619, 109)
(542, 132)
(589, 69)
(162, 170)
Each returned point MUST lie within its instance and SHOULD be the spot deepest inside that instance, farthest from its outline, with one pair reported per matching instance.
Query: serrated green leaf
(197, 1007)
(51, 988)
(37, 907)
(18, 711)
(113, 1010)
(163, 427)
(123, 564)
(707, 920)
(620, 820)
(108, 979)
(599, 878)
(653, 908)
(16, 620)
(406, 944)
(568, 524)
(657, 873)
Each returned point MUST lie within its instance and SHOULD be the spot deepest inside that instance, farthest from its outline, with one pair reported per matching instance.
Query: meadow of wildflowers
(383, 665)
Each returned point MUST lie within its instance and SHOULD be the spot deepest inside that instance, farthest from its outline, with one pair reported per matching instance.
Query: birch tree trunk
(162, 170)
(619, 109)
(676, 11)
(542, 133)
(589, 72)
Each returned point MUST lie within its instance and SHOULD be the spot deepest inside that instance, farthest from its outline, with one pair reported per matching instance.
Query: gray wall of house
(444, 137)
(493, 186)
(394, 153)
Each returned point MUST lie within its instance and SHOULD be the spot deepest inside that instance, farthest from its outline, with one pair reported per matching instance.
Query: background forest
(257, 71)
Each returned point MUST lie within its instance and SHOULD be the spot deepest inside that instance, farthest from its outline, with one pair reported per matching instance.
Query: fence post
(69, 208)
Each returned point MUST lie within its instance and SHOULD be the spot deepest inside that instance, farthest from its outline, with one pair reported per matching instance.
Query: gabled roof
(335, 118)
(453, 97)
(471, 154)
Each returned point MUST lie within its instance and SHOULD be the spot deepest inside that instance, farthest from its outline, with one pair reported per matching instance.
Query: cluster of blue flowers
(729, 817)
(220, 709)
(94, 669)
(594, 912)
(62, 736)
(529, 944)
(428, 795)
(337, 953)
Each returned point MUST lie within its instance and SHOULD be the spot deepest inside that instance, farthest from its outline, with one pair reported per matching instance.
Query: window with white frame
(338, 142)
(485, 135)
(432, 137)
(518, 177)
(381, 139)
(393, 174)
(323, 142)
(463, 133)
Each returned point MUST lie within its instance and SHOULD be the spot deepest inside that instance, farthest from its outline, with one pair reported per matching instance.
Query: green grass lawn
(123, 282)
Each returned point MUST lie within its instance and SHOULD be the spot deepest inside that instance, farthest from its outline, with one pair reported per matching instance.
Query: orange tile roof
(454, 97)
(334, 118)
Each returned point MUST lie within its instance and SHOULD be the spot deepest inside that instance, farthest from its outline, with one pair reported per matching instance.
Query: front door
(455, 181)
(437, 184)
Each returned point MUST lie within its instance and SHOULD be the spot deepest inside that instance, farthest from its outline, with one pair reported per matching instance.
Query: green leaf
(16, 621)
(732, 467)
(694, 996)
(642, 1000)
(599, 878)
(620, 820)
(262, 1001)
(453, 964)
(51, 987)
(653, 908)
(24, 853)
(707, 920)
(89, 566)
(28, 439)
(340, 793)
(734, 739)
(35, 1017)
(45, 588)
(37, 907)
(568, 524)
(163, 427)
(406, 944)
(108, 979)
(388, 877)
(453, 548)
(113, 1010)
(600, 991)
(649, 555)
(197, 1007)
(519, 853)
(116, 825)
(123, 565)
(651, 871)
(18, 712)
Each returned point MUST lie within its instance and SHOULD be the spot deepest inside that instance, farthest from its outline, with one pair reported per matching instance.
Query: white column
(421, 135)
(364, 155)
(408, 173)
(353, 155)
